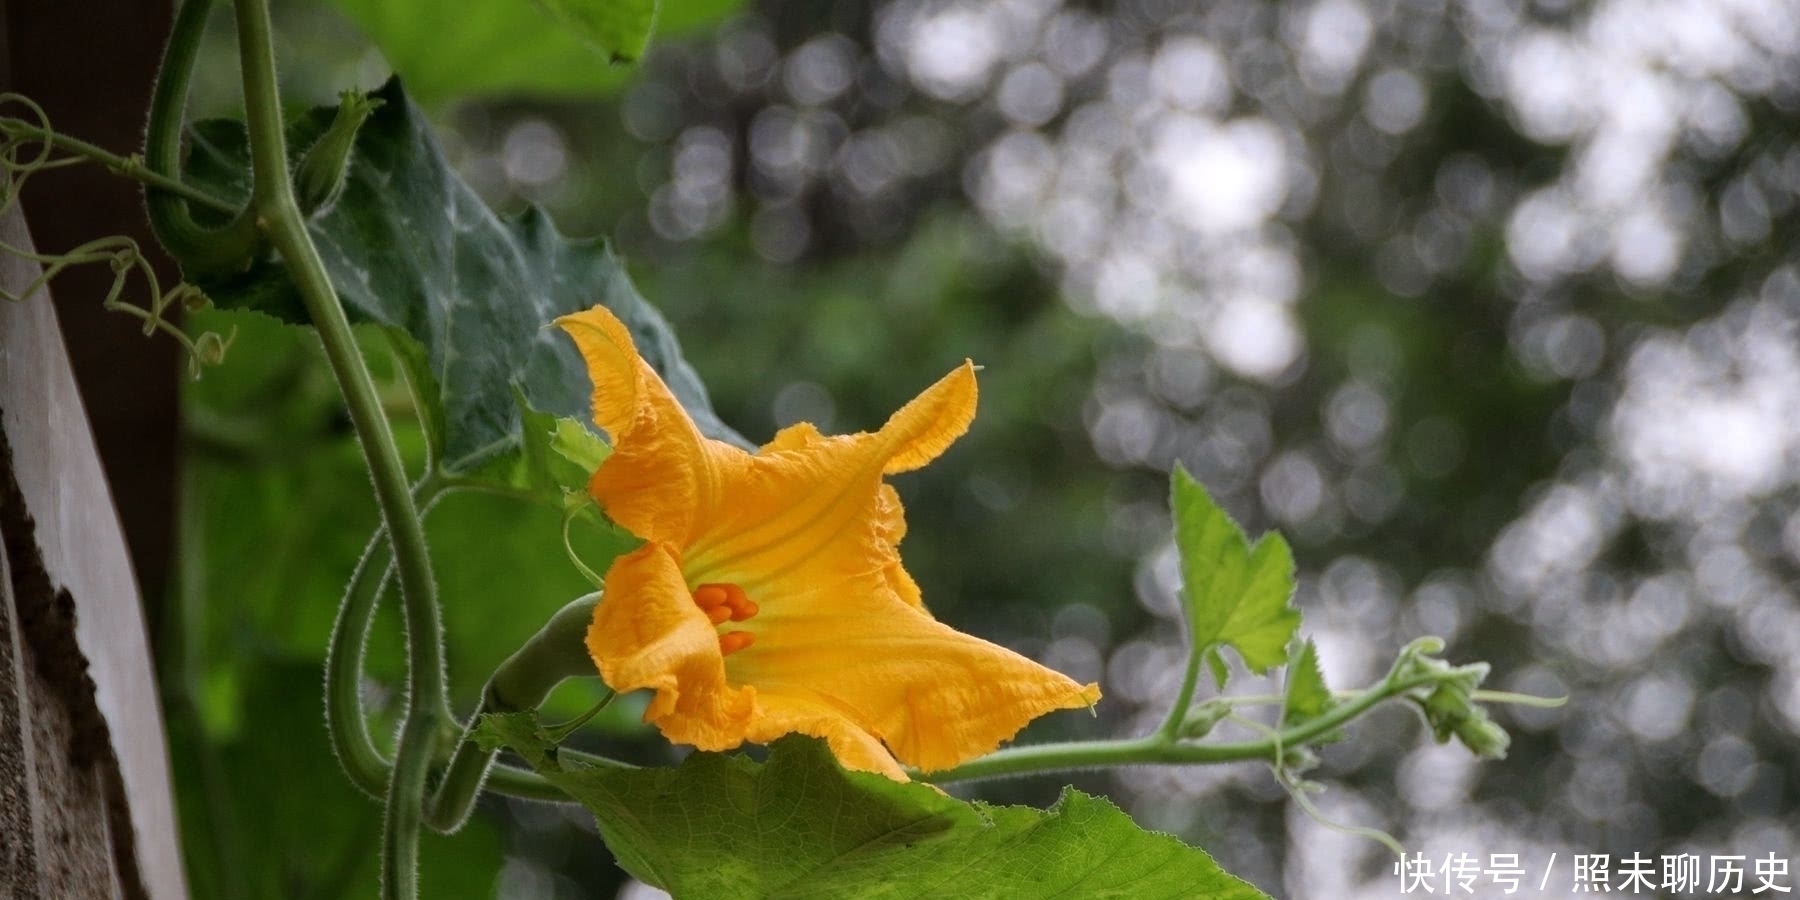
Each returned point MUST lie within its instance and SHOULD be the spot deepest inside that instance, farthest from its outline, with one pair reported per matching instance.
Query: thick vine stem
(345, 720)
(557, 652)
(198, 248)
(278, 214)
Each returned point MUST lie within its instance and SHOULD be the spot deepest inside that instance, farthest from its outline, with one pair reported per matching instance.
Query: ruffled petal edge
(647, 633)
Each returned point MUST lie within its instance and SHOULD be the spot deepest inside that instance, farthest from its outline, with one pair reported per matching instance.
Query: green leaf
(557, 455)
(1307, 696)
(619, 28)
(1215, 663)
(799, 827)
(514, 47)
(410, 246)
(572, 441)
(1235, 594)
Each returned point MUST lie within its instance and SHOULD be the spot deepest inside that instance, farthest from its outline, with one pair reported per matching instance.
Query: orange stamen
(724, 602)
(732, 641)
(711, 595)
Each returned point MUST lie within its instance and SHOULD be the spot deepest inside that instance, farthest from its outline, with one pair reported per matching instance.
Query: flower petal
(807, 512)
(660, 469)
(613, 366)
(843, 648)
(797, 436)
(790, 712)
(861, 657)
(814, 503)
(928, 425)
(890, 525)
(647, 633)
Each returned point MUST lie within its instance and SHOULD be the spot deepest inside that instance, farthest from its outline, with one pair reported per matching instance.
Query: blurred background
(1490, 306)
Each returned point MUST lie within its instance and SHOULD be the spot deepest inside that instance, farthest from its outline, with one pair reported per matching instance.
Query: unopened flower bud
(320, 176)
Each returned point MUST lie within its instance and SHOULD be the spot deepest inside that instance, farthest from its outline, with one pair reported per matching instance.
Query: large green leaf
(411, 247)
(722, 827)
(1235, 594)
(519, 47)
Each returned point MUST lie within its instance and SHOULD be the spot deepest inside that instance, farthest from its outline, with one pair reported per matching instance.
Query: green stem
(515, 782)
(1478, 696)
(1157, 748)
(345, 720)
(123, 165)
(557, 652)
(1297, 791)
(195, 246)
(562, 731)
(1515, 699)
(276, 211)
(1171, 726)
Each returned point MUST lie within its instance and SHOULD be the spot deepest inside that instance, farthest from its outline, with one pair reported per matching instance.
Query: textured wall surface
(81, 738)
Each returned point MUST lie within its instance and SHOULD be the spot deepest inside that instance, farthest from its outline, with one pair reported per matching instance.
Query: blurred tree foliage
(1496, 246)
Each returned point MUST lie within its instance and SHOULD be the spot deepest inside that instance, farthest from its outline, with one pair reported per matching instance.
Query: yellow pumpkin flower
(768, 596)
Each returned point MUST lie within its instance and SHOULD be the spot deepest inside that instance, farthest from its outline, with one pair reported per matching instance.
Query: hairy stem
(1158, 748)
(345, 720)
(194, 245)
(555, 653)
(278, 214)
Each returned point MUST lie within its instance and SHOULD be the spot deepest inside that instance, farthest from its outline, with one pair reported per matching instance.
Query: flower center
(726, 602)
